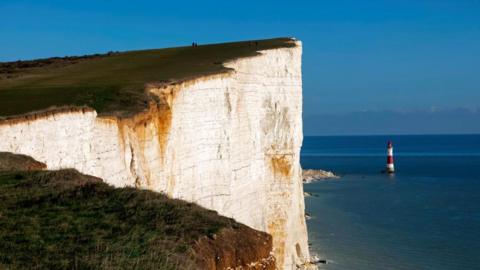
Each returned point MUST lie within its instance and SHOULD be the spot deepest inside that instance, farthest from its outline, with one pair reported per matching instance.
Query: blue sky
(406, 58)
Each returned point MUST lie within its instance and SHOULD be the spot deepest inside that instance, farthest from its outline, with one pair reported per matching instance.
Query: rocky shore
(310, 175)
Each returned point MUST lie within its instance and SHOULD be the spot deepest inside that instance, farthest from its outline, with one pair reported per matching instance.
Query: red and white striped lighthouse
(390, 167)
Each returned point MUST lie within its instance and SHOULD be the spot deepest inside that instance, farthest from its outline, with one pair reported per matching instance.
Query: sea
(424, 216)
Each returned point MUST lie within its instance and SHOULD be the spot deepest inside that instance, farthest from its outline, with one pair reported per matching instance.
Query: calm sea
(425, 216)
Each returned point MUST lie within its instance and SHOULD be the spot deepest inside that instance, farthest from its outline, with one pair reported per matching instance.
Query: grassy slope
(66, 220)
(115, 83)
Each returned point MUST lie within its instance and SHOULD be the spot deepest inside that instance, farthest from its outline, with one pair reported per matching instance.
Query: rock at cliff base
(310, 175)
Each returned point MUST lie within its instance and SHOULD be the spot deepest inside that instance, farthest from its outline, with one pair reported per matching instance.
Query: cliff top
(67, 220)
(114, 83)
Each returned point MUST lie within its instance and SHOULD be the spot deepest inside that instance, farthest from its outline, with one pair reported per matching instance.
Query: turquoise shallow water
(426, 216)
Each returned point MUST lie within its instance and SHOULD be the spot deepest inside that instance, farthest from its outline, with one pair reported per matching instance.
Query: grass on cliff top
(66, 220)
(114, 82)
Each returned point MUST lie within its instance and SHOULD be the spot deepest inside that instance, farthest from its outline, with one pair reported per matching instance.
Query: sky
(369, 67)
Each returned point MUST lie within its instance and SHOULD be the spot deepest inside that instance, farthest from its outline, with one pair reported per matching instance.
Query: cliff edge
(225, 135)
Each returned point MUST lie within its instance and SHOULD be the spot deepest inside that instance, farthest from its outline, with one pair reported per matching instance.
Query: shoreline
(310, 176)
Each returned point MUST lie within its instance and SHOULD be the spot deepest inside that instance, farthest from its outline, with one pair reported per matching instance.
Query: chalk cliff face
(229, 142)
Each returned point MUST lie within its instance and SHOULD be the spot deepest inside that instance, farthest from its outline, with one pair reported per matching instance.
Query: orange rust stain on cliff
(154, 124)
(163, 123)
(161, 113)
(276, 228)
(170, 185)
(142, 130)
(141, 135)
(281, 165)
(121, 135)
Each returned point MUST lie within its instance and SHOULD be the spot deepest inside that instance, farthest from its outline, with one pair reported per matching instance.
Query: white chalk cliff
(229, 142)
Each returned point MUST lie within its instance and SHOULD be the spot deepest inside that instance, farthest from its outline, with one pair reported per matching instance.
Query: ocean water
(425, 216)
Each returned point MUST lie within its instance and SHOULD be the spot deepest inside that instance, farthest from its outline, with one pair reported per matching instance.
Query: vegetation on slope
(113, 83)
(66, 220)
(16, 162)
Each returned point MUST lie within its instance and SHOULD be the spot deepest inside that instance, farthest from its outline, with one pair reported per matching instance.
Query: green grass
(115, 83)
(65, 220)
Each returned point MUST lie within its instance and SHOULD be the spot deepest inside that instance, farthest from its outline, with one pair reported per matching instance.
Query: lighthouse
(390, 168)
